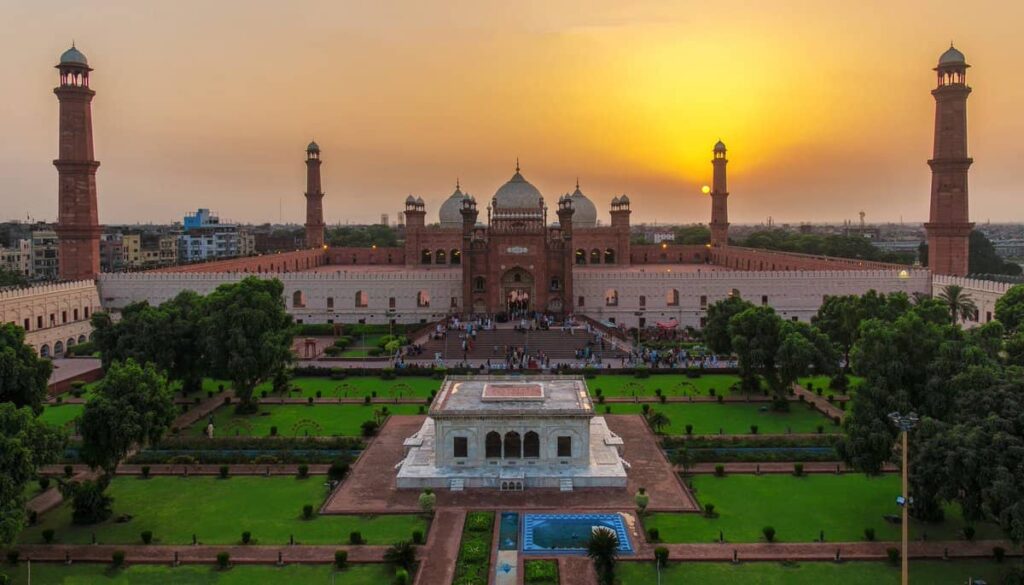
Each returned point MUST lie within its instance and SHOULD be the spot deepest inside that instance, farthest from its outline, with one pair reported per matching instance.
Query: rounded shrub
(145, 471)
(68, 471)
(147, 536)
(417, 537)
(401, 575)
(223, 471)
(223, 560)
(969, 532)
(303, 471)
(273, 430)
(999, 553)
(246, 537)
(753, 429)
(12, 556)
(689, 429)
(719, 470)
(307, 511)
(356, 537)
(709, 510)
(798, 469)
(869, 534)
(44, 483)
(893, 554)
(769, 533)
(340, 558)
(653, 535)
(117, 558)
(661, 556)
(48, 535)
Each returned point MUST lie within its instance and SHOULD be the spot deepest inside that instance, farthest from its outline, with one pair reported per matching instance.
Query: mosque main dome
(517, 193)
(449, 214)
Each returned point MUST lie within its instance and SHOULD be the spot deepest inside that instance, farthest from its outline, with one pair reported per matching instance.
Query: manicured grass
(61, 415)
(824, 382)
(798, 508)
(217, 511)
(614, 385)
(540, 572)
(731, 418)
(101, 574)
(297, 420)
(358, 387)
(850, 573)
(474, 561)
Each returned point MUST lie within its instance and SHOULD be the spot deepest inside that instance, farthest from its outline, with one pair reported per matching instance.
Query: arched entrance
(517, 291)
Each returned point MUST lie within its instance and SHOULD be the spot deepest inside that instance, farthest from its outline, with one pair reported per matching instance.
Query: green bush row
(473, 565)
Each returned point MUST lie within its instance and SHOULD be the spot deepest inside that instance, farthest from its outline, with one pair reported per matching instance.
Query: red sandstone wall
(354, 256)
(668, 254)
(754, 259)
(281, 262)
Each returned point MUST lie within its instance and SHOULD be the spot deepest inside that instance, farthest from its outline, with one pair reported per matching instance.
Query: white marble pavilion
(511, 433)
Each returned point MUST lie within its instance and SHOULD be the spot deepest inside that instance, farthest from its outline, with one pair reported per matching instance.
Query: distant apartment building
(204, 237)
(111, 252)
(18, 258)
(132, 247)
(45, 255)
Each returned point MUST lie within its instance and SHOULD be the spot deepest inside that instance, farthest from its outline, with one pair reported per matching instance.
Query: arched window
(643, 301)
(609, 256)
(556, 283)
(672, 297)
(71, 341)
(58, 348)
(531, 445)
(330, 302)
(455, 257)
(440, 257)
(611, 298)
(595, 256)
(492, 445)
(425, 257)
(362, 299)
(513, 445)
(81, 339)
(298, 299)
(423, 299)
(479, 284)
(44, 351)
(581, 256)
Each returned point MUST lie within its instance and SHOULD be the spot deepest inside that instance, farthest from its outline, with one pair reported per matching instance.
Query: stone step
(565, 484)
(456, 485)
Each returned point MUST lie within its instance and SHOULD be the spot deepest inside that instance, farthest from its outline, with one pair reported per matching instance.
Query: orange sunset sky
(824, 105)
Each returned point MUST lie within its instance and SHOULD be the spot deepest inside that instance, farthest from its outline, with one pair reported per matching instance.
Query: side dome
(73, 57)
(449, 213)
(517, 193)
(952, 57)
(313, 147)
(584, 211)
(719, 146)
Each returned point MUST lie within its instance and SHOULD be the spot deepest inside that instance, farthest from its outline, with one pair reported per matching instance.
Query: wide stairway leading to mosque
(494, 344)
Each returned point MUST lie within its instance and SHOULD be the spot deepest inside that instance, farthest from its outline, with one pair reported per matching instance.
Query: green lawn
(358, 387)
(298, 420)
(61, 415)
(732, 418)
(671, 385)
(93, 574)
(824, 382)
(217, 511)
(798, 508)
(850, 573)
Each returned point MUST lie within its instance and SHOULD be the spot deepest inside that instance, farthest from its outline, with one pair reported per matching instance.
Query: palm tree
(602, 549)
(959, 302)
(658, 420)
(401, 554)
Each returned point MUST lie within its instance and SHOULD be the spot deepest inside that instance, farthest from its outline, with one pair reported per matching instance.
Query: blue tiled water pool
(508, 531)
(569, 533)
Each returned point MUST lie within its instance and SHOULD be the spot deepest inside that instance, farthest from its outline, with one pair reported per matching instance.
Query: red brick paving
(819, 402)
(442, 548)
(576, 571)
(370, 488)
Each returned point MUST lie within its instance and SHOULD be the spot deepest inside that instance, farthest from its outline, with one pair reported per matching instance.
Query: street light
(904, 423)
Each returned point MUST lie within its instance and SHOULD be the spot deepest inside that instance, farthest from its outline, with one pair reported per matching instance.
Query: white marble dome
(584, 211)
(517, 193)
(449, 213)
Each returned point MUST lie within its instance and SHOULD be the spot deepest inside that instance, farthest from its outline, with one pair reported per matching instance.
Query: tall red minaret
(719, 199)
(948, 227)
(78, 227)
(314, 198)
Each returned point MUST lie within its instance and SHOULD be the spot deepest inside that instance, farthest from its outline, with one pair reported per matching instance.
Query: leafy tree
(603, 548)
(716, 331)
(23, 375)
(168, 336)
(777, 351)
(133, 406)
(363, 236)
(25, 443)
(89, 502)
(959, 302)
(248, 334)
(839, 317)
(658, 421)
(831, 245)
(982, 257)
(693, 235)
(1010, 308)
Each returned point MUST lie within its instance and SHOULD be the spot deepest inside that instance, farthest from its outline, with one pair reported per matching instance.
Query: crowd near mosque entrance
(518, 290)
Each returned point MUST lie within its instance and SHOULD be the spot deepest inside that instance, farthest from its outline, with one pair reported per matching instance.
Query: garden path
(442, 548)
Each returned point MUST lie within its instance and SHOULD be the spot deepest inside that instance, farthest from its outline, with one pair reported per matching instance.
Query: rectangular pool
(508, 531)
(570, 533)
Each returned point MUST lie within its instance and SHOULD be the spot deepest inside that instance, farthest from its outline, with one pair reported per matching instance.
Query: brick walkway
(819, 402)
(442, 548)
(576, 571)
(101, 553)
(202, 410)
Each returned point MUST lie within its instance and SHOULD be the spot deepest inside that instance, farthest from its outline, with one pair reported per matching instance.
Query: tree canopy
(248, 334)
(1010, 308)
(831, 245)
(693, 234)
(716, 329)
(25, 443)
(24, 376)
(133, 405)
(839, 317)
(362, 236)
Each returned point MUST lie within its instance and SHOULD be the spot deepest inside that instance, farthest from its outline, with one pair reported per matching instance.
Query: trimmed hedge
(473, 565)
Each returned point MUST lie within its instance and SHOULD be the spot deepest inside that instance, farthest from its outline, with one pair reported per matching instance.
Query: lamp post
(904, 423)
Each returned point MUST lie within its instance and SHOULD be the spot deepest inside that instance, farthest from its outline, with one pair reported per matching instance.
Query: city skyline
(408, 112)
